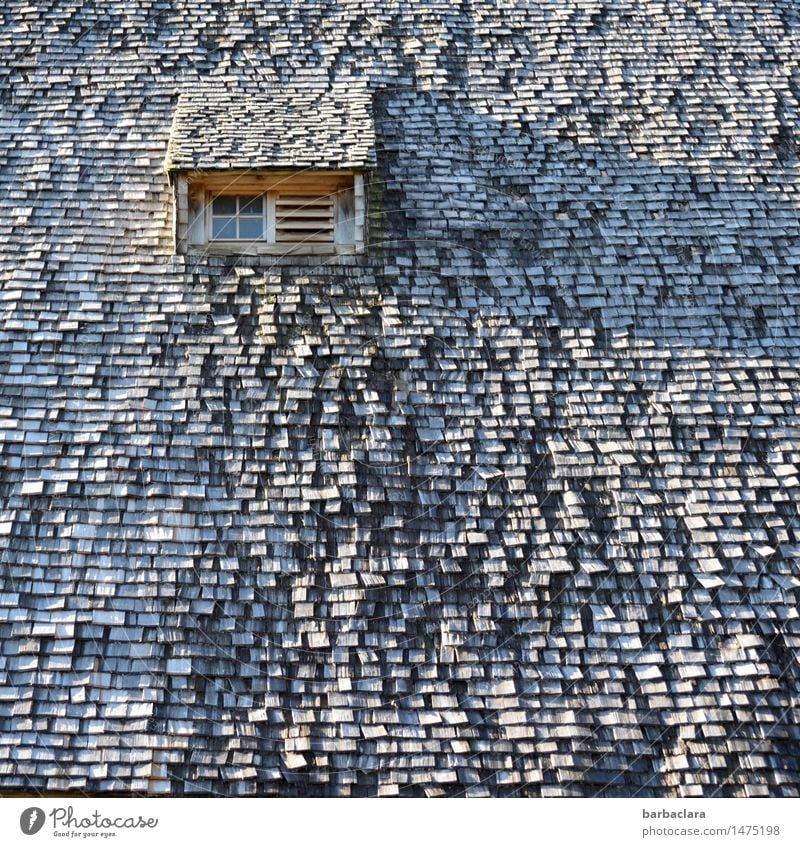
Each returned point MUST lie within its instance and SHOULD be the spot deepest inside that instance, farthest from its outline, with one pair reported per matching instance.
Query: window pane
(251, 206)
(223, 227)
(251, 227)
(223, 206)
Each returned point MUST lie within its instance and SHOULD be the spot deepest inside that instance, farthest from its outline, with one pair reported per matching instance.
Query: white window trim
(209, 224)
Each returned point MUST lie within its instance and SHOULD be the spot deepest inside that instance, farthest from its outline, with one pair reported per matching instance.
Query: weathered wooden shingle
(219, 126)
(506, 505)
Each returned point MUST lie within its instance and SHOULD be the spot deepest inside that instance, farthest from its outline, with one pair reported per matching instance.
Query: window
(237, 216)
(269, 213)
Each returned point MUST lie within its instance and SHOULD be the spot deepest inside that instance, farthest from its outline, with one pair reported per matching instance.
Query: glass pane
(223, 206)
(251, 206)
(251, 227)
(223, 227)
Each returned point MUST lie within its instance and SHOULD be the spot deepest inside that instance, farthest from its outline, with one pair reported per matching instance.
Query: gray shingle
(505, 505)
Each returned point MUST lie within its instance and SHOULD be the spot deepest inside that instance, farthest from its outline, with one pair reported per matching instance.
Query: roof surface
(218, 126)
(506, 505)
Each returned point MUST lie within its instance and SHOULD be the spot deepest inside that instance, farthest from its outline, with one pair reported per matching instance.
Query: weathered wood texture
(505, 505)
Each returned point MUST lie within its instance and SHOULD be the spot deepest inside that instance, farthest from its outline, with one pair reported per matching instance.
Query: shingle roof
(219, 126)
(506, 505)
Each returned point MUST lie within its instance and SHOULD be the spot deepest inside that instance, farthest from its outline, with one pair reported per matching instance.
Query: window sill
(239, 248)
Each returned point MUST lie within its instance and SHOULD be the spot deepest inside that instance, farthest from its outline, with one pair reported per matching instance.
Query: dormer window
(269, 213)
(257, 173)
(237, 217)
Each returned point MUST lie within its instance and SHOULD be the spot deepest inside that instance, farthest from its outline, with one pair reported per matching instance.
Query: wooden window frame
(194, 192)
(237, 217)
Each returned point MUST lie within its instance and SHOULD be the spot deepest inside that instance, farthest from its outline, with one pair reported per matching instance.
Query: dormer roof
(218, 126)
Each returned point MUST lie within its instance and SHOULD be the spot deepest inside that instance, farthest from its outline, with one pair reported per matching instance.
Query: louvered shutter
(304, 219)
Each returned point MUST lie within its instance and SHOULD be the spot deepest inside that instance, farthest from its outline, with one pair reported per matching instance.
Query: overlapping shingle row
(507, 505)
(218, 126)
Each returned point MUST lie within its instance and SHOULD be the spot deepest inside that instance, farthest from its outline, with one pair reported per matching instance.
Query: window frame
(237, 216)
(195, 193)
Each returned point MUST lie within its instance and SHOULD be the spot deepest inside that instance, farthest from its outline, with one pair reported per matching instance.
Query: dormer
(270, 174)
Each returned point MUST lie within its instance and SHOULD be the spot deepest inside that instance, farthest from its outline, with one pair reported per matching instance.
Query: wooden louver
(304, 219)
